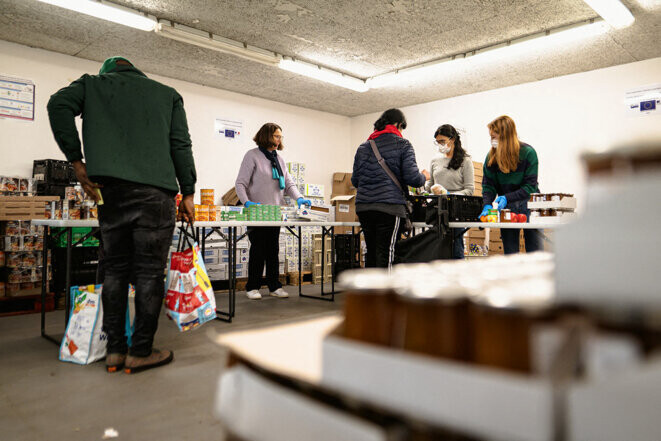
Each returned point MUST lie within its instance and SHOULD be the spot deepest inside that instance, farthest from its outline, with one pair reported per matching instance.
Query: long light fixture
(207, 40)
(323, 74)
(457, 63)
(613, 11)
(107, 11)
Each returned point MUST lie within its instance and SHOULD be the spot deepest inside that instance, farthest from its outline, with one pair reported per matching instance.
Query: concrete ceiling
(362, 38)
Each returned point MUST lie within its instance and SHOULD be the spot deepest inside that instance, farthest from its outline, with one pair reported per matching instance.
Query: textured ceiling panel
(363, 38)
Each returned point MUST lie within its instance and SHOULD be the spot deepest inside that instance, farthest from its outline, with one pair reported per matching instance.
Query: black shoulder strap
(385, 167)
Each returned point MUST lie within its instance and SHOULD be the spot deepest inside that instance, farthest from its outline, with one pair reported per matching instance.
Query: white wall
(319, 139)
(559, 117)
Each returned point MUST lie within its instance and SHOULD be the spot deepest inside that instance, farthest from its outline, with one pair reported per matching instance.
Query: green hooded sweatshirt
(134, 128)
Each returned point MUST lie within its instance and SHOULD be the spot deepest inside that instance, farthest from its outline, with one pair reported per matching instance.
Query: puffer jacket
(372, 182)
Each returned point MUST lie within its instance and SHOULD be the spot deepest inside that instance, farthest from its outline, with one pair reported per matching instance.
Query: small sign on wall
(228, 129)
(16, 98)
(643, 100)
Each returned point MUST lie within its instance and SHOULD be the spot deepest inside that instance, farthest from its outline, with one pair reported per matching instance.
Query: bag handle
(189, 238)
(389, 172)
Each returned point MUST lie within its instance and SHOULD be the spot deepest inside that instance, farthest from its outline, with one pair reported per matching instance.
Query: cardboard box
(231, 198)
(342, 184)
(345, 211)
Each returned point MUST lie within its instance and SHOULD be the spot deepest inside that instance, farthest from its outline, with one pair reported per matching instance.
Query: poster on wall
(16, 98)
(228, 129)
(643, 100)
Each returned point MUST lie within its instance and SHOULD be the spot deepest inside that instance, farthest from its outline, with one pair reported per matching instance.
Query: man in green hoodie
(136, 148)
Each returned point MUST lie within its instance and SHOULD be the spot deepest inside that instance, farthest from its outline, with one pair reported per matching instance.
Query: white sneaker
(254, 294)
(280, 293)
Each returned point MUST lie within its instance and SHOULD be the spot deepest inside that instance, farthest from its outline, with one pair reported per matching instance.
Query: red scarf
(389, 129)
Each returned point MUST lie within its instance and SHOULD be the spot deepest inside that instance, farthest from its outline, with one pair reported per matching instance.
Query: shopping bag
(84, 342)
(432, 244)
(189, 299)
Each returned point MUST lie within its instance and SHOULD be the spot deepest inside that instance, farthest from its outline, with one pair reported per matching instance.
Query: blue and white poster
(16, 98)
(644, 100)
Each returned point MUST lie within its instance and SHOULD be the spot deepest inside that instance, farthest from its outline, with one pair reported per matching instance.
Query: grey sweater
(255, 181)
(460, 181)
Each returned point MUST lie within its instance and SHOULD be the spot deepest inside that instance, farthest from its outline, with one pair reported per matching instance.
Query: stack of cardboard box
(343, 198)
(322, 259)
(478, 172)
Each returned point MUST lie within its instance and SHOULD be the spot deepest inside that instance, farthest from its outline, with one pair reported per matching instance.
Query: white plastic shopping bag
(84, 342)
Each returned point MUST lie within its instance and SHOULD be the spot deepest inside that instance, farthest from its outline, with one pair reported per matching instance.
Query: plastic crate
(53, 171)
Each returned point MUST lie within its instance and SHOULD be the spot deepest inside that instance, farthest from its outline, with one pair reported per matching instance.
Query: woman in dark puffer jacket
(380, 204)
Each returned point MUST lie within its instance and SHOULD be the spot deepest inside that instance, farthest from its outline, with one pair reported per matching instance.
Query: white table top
(219, 224)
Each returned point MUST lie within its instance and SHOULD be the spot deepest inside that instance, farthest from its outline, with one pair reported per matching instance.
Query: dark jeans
(458, 247)
(264, 248)
(510, 237)
(381, 231)
(137, 222)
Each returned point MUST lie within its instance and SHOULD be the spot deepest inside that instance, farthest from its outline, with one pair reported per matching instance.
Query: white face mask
(444, 148)
(494, 143)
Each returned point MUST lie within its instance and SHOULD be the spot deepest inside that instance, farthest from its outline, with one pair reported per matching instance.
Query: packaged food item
(70, 193)
(202, 213)
(28, 260)
(24, 228)
(37, 275)
(13, 228)
(207, 196)
(38, 243)
(12, 288)
(178, 198)
(2, 289)
(14, 276)
(23, 185)
(74, 213)
(13, 243)
(2, 259)
(505, 215)
(11, 184)
(28, 243)
(79, 194)
(14, 260)
(26, 274)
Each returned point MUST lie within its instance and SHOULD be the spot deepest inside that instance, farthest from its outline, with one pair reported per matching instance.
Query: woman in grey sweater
(452, 168)
(263, 179)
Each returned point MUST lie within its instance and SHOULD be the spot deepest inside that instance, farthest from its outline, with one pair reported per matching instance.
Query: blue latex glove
(500, 202)
(485, 211)
(249, 204)
(303, 201)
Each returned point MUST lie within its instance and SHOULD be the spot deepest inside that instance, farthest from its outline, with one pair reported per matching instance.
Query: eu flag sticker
(647, 105)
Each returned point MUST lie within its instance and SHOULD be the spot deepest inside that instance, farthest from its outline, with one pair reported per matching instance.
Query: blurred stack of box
(322, 259)
(307, 246)
(478, 173)
(21, 259)
(475, 242)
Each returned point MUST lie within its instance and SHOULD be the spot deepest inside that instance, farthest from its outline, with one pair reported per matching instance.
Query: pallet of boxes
(21, 247)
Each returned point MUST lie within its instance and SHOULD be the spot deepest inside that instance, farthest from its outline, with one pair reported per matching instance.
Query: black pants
(381, 231)
(137, 223)
(533, 238)
(264, 248)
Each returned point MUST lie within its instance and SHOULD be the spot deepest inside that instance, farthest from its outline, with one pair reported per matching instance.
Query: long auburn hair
(507, 153)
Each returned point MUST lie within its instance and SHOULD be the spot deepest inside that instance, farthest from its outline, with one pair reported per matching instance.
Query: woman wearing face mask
(510, 171)
(380, 203)
(263, 179)
(452, 169)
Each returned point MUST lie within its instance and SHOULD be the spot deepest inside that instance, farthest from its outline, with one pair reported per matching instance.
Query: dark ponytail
(459, 153)
(390, 116)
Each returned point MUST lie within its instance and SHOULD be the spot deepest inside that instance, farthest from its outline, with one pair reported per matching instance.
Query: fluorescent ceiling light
(107, 11)
(613, 11)
(322, 74)
(458, 63)
(207, 40)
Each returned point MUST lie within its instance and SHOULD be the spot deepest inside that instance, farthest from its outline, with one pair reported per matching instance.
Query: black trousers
(381, 231)
(136, 222)
(264, 248)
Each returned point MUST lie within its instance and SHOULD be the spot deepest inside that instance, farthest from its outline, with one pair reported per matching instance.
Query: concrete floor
(42, 398)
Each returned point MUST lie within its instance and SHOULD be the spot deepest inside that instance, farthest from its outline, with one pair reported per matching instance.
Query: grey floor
(42, 398)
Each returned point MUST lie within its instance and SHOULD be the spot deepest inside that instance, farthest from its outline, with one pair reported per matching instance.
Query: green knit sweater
(134, 129)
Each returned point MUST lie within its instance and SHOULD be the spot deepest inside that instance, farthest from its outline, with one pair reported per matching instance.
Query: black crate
(459, 208)
(44, 189)
(84, 263)
(53, 171)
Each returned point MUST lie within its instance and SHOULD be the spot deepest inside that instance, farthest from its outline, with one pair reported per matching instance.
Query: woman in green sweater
(510, 171)
(452, 168)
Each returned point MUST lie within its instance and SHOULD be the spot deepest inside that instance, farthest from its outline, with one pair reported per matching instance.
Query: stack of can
(207, 196)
